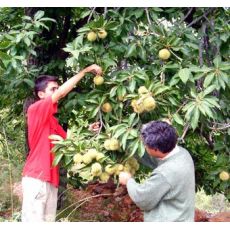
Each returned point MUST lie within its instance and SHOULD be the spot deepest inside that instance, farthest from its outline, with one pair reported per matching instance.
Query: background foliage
(191, 88)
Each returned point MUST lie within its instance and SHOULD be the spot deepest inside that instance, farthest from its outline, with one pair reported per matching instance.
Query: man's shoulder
(39, 103)
(184, 154)
(182, 149)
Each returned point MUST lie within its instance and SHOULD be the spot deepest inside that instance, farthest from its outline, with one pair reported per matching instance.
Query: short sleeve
(41, 111)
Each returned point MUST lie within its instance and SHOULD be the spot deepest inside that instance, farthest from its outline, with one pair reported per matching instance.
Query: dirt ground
(107, 203)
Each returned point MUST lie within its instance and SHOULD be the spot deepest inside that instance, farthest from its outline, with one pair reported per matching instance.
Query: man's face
(155, 153)
(52, 86)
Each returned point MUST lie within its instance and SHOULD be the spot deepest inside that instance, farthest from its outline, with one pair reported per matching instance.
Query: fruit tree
(168, 64)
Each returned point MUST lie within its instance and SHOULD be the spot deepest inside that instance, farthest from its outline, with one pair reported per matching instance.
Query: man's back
(178, 170)
(169, 194)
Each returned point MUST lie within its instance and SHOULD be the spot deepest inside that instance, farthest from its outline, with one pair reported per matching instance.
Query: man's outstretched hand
(95, 127)
(123, 177)
(95, 69)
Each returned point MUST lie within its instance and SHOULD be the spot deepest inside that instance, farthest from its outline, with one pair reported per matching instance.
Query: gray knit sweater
(169, 194)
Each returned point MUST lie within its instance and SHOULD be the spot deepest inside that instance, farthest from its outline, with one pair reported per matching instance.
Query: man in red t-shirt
(40, 179)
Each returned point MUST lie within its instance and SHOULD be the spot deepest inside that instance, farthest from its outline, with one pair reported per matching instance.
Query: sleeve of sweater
(148, 194)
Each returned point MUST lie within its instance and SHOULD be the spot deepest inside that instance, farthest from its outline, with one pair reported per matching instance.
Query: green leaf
(134, 147)
(95, 111)
(29, 82)
(202, 109)
(208, 79)
(131, 119)
(119, 132)
(83, 30)
(173, 101)
(39, 15)
(27, 41)
(175, 79)
(4, 44)
(131, 50)
(224, 37)
(132, 85)
(184, 74)
(171, 66)
(221, 82)
(112, 25)
(209, 90)
(192, 45)
(108, 62)
(133, 133)
(4, 56)
(121, 91)
(177, 118)
(68, 160)
(212, 101)
(142, 53)
(115, 127)
(160, 90)
(187, 106)
(217, 61)
(57, 159)
(47, 19)
(224, 66)
(113, 91)
(195, 118)
(206, 107)
(224, 77)
(193, 93)
(141, 149)
(124, 140)
(190, 111)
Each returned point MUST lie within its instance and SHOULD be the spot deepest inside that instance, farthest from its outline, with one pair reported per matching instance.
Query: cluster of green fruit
(145, 102)
(93, 164)
(92, 35)
(112, 144)
(88, 157)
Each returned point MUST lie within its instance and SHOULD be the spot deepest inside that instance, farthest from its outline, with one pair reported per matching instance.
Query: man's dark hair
(159, 135)
(41, 83)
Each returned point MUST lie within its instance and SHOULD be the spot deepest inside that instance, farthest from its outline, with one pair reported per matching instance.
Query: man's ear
(41, 94)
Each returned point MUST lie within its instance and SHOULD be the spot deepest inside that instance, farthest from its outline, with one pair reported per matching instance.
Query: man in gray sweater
(169, 193)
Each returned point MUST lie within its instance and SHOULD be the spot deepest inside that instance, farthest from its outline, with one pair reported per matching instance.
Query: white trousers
(39, 200)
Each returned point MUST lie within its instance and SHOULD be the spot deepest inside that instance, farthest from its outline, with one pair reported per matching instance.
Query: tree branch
(91, 14)
(105, 12)
(101, 122)
(225, 126)
(202, 16)
(206, 43)
(186, 127)
(147, 14)
(185, 102)
(201, 61)
(188, 13)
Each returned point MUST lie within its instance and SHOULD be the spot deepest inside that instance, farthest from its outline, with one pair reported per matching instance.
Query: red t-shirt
(42, 123)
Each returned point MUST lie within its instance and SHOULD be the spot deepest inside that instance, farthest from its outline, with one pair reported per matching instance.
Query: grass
(213, 204)
(10, 206)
